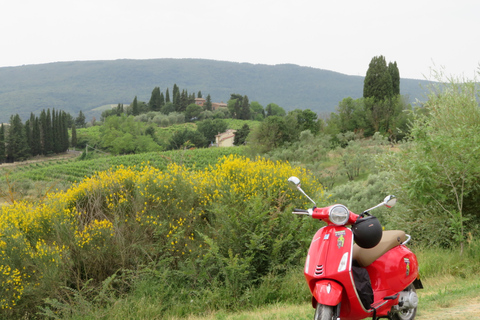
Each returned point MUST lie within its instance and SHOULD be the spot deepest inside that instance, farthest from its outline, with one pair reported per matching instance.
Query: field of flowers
(204, 227)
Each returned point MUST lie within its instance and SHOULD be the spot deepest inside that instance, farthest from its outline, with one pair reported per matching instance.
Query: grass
(443, 297)
(450, 280)
(447, 294)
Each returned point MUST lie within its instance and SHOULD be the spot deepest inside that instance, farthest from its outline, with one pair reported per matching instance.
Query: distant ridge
(87, 85)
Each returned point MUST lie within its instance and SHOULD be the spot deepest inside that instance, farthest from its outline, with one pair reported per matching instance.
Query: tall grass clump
(185, 240)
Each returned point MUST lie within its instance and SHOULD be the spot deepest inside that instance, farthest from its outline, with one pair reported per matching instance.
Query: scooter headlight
(338, 214)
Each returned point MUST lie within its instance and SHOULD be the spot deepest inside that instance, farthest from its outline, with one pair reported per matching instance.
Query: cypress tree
(395, 75)
(55, 132)
(17, 146)
(167, 96)
(43, 130)
(73, 142)
(191, 99)
(184, 99)
(135, 110)
(245, 109)
(175, 91)
(378, 82)
(154, 103)
(48, 143)
(161, 101)
(176, 101)
(208, 103)
(66, 143)
(80, 120)
(36, 147)
(2, 144)
(29, 132)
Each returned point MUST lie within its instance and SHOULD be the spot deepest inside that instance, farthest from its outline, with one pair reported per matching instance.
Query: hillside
(88, 85)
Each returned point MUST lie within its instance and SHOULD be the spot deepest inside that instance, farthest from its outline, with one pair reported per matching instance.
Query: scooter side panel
(393, 271)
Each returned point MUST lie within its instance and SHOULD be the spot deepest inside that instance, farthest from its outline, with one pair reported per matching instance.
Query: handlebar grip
(300, 210)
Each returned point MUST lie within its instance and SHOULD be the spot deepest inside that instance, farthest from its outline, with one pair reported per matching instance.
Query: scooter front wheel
(323, 312)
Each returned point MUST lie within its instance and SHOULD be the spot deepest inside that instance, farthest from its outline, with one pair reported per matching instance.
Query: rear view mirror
(294, 182)
(390, 201)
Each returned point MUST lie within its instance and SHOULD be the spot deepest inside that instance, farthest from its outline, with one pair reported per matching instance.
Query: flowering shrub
(125, 217)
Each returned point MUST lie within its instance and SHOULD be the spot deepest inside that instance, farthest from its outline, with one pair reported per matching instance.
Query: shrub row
(224, 227)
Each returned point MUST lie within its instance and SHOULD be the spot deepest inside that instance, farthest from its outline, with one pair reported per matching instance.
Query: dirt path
(63, 156)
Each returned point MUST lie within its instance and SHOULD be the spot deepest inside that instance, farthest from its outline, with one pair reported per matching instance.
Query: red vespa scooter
(374, 277)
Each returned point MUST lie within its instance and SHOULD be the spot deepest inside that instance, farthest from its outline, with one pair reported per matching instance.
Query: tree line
(40, 135)
(381, 109)
(179, 107)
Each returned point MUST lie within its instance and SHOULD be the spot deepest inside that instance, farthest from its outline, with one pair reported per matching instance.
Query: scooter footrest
(391, 297)
(375, 306)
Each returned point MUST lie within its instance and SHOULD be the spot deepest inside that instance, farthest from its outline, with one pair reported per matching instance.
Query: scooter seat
(390, 239)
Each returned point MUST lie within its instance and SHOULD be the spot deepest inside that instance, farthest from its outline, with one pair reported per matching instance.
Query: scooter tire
(409, 314)
(323, 312)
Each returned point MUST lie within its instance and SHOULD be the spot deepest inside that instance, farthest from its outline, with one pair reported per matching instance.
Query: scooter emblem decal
(407, 263)
(341, 239)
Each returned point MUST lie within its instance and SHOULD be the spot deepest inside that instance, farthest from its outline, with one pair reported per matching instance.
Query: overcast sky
(341, 36)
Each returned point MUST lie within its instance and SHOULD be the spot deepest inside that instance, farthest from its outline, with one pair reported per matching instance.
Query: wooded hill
(92, 85)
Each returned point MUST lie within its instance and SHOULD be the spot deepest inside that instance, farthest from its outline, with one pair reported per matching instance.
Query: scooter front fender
(328, 292)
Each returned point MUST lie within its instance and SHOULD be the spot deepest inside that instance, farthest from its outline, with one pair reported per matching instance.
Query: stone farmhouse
(215, 105)
(225, 139)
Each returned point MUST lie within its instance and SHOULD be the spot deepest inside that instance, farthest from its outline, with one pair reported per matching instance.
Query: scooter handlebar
(302, 211)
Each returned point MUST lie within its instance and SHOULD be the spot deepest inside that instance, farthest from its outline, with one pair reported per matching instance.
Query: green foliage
(25, 89)
(363, 194)
(16, 141)
(273, 109)
(366, 116)
(270, 134)
(156, 100)
(124, 135)
(193, 112)
(438, 170)
(2, 144)
(215, 233)
(241, 135)
(239, 107)
(80, 120)
(358, 156)
(306, 120)
(210, 128)
(187, 139)
(395, 75)
(257, 111)
(378, 81)
(238, 124)
(73, 141)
